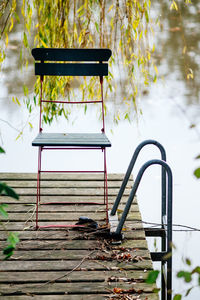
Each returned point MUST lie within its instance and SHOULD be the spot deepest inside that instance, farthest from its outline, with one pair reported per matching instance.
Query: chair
(70, 62)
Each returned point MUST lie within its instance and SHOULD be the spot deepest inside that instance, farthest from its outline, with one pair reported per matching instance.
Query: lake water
(169, 108)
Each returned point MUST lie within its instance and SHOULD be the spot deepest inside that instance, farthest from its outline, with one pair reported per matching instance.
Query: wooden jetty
(55, 264)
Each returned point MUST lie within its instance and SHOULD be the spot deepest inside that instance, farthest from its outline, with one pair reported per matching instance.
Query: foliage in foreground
(12, 238)
(197, 171)
(188, 276)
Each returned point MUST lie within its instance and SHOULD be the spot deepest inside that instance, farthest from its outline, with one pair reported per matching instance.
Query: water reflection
(179, 46)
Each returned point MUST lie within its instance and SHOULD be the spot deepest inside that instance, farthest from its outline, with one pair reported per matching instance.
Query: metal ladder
(165, 230)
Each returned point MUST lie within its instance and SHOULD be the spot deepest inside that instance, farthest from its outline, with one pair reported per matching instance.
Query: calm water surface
(169, 108)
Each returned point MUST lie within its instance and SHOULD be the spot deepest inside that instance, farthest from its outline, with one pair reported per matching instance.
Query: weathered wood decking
(65, 263)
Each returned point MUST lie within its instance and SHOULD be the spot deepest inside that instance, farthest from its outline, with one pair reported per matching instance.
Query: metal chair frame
(46, 141)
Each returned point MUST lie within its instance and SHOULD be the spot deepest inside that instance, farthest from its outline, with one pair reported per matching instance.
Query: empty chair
(70, 62)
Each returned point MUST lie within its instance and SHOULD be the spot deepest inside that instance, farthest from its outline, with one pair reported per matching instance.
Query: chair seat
(72, 139)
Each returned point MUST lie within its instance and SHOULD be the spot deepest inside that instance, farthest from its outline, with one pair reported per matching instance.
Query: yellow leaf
(17, 101)
(43, 43)
(110, 7)
(148, 55)
(11, 24)
(174, 6)
(112, 23)
(19, 135)
(22, 11)
(156, 69)
(6, 39)
(80, 8)
(190, 75)
(184, 49)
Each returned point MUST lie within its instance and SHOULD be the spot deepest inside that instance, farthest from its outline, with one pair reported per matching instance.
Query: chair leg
(38, 186)
(105, 185)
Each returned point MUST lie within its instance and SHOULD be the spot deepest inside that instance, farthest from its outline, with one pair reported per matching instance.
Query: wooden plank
(63, 254)
(30, 225)
(74, 288)
(64, 184)
(63, 216)
(60, 208)
(67, 191)
(143, 296)
(60, 176)
(67, 265)
(56, 235)
(72, 244)
(60, 276)
(66, 234)
(59, 198)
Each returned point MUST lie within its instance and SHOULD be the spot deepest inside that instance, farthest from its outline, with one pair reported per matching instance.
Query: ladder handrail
(129, 170)
(168, 249)
(134, 190)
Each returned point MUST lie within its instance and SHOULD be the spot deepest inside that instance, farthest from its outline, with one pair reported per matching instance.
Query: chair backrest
(98, 56)
(80, 62)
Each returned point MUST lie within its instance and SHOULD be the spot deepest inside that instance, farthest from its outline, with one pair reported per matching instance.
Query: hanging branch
(73, 23)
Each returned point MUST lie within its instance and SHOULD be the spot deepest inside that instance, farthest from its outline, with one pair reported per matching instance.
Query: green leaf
(156, 290)
(188, 291)
(8, 191)
(3, 212)
(1, 188)
(127, 117)
(147, 16)
(152, 276)
(186, 275)
(196, 270)
(2, 150)
(8, 251)
(13, 239)
(17, 17)
(180, 274)
(197, 157)
(25, 40)
(188, 261)
(25, 88)
(197, 173)
(97, 26)
(177, 297)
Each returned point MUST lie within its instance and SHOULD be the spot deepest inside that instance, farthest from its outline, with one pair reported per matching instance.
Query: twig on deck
(69, 272)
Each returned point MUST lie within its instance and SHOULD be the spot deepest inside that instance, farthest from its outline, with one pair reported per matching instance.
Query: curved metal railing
(130, 168)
